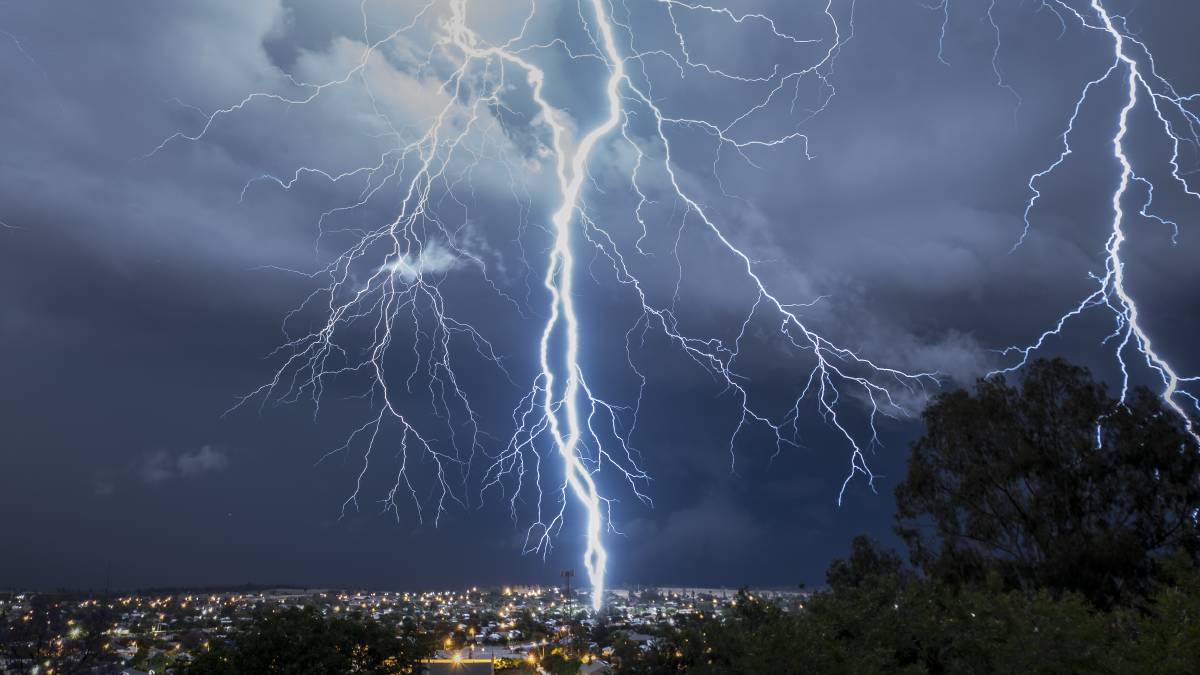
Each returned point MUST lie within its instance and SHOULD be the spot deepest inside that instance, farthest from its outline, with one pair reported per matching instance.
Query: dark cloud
(141, 290)
(718, 531)
(162, 466)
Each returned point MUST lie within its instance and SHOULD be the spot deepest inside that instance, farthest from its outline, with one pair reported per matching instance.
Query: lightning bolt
(391, 275)
(1134, 63)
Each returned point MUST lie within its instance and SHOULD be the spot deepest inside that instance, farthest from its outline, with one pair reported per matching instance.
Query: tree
(890, 621)
(1166, 630)
(302, 642)
(557, 663)
(865, 566)
(1052, 484)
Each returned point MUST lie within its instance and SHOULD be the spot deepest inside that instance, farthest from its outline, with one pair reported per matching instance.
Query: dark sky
(140, 296)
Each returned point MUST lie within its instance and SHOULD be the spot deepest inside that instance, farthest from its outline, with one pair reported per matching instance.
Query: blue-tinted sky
(140, 296)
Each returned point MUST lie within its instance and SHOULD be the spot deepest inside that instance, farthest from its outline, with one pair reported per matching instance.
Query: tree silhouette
(1050, 485)
(302, 642)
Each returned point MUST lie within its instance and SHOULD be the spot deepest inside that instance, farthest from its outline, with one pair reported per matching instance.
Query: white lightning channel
(392, 273)
(1111, 290)
(564, 419)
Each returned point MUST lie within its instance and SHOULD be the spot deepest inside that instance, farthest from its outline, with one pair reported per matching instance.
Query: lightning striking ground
(572, 444)
(1133, 66)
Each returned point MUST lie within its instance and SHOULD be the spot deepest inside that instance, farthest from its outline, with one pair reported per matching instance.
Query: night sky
(140, 296)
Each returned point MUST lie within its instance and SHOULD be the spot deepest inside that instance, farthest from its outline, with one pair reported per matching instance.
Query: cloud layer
(140, 294)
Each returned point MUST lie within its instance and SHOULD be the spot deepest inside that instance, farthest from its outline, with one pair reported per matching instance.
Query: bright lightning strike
(392, 274)
(1134, 64)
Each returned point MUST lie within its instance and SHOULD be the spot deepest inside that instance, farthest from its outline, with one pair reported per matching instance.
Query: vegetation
(1050, 486)
(557, 663)
(1050, 528)
(302, 642)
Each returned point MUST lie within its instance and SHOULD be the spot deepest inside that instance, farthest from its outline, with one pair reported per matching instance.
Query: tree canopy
(302, 642)
(1050, 484)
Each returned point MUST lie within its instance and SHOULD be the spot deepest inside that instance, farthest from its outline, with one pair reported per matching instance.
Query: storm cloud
(143, 285)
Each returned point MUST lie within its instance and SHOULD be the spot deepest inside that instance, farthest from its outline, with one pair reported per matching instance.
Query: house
(457, 666)
(596, 667)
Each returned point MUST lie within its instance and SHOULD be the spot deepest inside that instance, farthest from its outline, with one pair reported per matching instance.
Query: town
(510, 629)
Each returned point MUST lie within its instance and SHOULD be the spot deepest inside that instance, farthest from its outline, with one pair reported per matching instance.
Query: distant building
(459, 666)
(634, 636)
